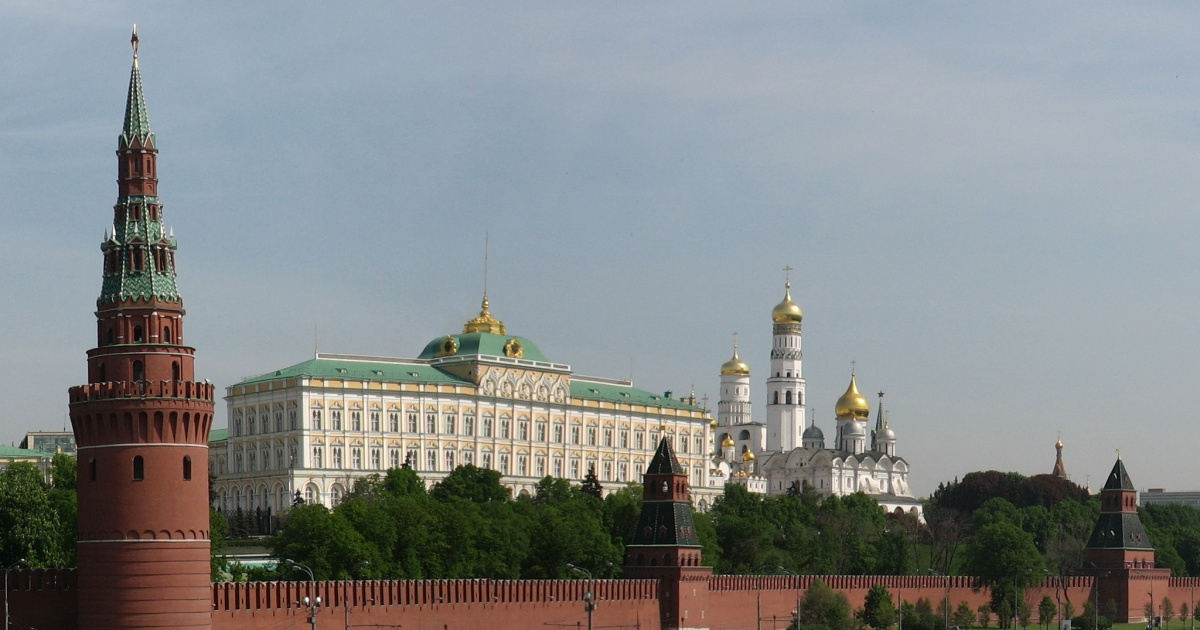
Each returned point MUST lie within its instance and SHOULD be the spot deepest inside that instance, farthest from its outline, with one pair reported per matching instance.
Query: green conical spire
(137, 122)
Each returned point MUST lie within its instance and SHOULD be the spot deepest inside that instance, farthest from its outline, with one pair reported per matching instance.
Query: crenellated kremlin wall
(45, 599)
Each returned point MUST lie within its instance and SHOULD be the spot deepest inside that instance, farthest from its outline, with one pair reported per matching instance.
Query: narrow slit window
(187, 468)
(139, 468)
(92, 469)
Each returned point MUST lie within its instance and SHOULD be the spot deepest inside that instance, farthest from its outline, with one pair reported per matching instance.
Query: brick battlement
(185, 390)
(234, 596)
(865, 582)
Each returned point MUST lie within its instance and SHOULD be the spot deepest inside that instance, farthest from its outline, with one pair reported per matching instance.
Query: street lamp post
(311, 602)
(947, 596)
(589, 598)
(6, 570)
(797, 576)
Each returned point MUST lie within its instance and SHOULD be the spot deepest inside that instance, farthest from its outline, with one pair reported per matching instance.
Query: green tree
(1068, 609)
(479, 485)
(1046, 610)
(30, 528)
(324, 541)
(878, 612)
(64, 472)
(218, 534)
(964, 617)
(822, 605)
(1002, 557)
(1168, 610)
(985, 615)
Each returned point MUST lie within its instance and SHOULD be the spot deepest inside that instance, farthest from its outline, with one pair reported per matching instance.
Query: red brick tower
(142, 421)
(1119, 553)
(665, 546)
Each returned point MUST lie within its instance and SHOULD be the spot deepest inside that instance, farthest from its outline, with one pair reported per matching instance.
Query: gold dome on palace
(852, 404)
(748, 456)
(712, 423)
(735, 366)
(484, 323)
(728, 441)
(787, 311)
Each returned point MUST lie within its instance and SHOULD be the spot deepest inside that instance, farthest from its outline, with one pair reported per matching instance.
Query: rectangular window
(558, 433)
(540, 467)
(624, 438)
(316, 419)
(449, 460)
(413, 458)
(356, 458)
(356, 420)
(639, 440)
(683, 444)
(699, 444)
(431, 423)
(468, 458)
(412, 422)
(451, 424)
(522, 465)
(607, 436)
(574, 468)
(608, 471)
(394, 421)
(503, 463)
(558, 467)
(468, 425)
(279, 421)
(487, 427)
(316, 458)
(485, 460)
(337, 457)
(541, 431)
(574, 435)
(431, 459)
(293, 419)
(591, 436)
(377, 458)
(504, 429)
(394, 456)
(524, 431)
(375, 421)
(335, 420)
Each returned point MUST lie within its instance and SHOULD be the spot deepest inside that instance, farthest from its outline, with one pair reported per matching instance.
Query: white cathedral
(771, 457)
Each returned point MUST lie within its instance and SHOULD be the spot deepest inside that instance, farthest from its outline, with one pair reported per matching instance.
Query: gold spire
(787, 311)
(485, 322)
(852, 405)
(735, 365)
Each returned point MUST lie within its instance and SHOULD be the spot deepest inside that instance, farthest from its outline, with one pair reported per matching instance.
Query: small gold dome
(748, 456)
(787, 311)
(485, 322)
(1058, 445)
(735, 365)
(713, 423)
(728, 441)
(852, 404)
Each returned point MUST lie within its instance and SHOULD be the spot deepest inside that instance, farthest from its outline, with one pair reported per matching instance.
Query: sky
(990, 208)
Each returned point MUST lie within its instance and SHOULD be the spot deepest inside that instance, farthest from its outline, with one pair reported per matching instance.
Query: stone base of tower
(682, 594)
(1130, 590)
(145, 584)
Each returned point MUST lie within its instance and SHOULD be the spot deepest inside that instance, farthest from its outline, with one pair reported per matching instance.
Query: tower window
(139, 371)
(92, 469)
(775, 398)
(101, 376)
(187, 468)
(788, 397)
(139, 468)
(167, 335)
(175, 371)
(137, 334)
(109, 338)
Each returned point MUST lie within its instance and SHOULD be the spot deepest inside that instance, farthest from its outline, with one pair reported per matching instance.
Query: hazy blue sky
(991, 207)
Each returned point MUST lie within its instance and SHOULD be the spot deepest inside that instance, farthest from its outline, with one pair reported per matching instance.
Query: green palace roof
(13, 452)
(483, 344)
(362, 370)
(626, 394)
(218, 435)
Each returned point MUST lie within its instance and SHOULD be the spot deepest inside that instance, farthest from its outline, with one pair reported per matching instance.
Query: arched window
(175, 370)
(167, 335)
(789, 397)
(187, 468)
(775, 398)
(137, 334)
(109, 337)
(139, 371)
(139, 468)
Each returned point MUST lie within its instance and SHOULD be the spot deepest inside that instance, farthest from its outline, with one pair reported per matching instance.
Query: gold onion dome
(787, 311)
(485, 323)
(728, 441)
(713, 423)
(735, 365)
(852, 404)
(748, 456)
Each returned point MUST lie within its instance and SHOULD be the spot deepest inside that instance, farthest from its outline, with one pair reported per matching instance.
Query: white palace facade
(482, 397)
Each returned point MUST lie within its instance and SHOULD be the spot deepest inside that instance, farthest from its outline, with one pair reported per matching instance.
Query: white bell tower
(785, 384)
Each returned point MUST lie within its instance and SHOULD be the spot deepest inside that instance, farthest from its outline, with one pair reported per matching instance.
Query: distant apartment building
(50, 442)
(1160, 496)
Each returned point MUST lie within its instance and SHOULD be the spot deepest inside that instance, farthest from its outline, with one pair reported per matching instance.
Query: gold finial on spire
(485, 322)
(133, 41)
(787, 311)
(1118, 453)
